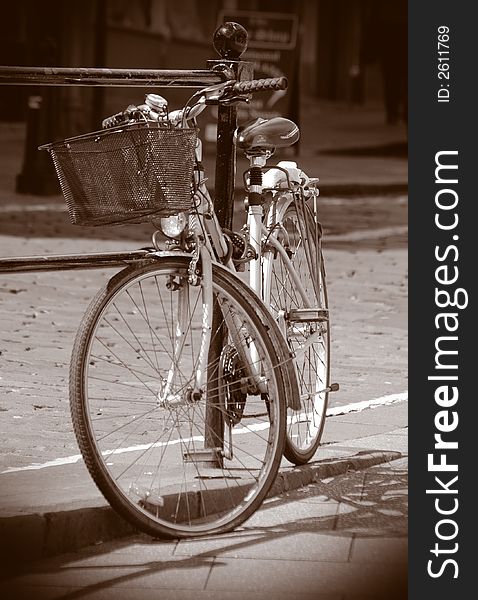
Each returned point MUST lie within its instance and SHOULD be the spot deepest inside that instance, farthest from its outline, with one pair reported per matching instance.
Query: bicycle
(182, 373)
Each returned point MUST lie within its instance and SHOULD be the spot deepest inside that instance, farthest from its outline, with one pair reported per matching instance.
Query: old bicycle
(182, 373)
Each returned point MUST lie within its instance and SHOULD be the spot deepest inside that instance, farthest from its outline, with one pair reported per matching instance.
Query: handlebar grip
(261, 85)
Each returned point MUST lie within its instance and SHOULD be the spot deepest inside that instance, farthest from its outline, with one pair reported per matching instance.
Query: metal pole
(67, 262)
(108, 77)
(230, 41)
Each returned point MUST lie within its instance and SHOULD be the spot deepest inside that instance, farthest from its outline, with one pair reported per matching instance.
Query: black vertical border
(435, 127)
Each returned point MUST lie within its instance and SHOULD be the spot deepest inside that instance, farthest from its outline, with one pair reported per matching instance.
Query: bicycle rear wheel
(306, 331)
(183, 462)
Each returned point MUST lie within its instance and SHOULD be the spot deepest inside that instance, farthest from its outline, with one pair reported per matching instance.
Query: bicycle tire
(304, 426)
(127, 435)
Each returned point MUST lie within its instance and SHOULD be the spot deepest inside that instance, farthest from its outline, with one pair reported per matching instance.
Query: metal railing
(230, 66)
(109, 77)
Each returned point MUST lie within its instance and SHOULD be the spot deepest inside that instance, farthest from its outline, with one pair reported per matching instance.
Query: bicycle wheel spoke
(145, 307)
(312, 362)
(151, 442)
(123, 337)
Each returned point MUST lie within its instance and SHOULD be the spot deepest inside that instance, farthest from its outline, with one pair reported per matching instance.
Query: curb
(33, 536)
(300, 476)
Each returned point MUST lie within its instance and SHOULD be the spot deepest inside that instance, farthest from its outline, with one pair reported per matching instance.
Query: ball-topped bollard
(230, 40)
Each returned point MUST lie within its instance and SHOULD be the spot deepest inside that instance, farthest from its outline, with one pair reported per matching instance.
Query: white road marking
(331, 412)
(359, 406)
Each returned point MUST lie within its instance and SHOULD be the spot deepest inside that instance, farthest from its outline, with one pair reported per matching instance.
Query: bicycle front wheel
(303, 317)
(172, 459)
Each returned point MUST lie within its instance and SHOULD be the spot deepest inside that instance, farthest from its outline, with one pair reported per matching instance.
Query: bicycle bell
(157, 104)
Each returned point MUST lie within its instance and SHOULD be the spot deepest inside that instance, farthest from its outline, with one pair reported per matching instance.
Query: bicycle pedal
(333, 387)
(308, 315)
(209, 457)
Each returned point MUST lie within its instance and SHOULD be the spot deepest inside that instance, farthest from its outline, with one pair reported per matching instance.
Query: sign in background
(274, 50)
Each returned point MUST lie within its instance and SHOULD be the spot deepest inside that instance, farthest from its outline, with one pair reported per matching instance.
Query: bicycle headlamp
(173, 226)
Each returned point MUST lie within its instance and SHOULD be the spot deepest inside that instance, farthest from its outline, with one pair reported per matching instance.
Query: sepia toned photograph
(204, 299)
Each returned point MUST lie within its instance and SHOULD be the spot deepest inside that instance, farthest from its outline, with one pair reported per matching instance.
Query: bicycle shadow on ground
(362, 222)
(53, 222)
(371, 504)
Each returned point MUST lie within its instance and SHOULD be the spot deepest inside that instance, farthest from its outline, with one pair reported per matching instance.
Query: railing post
(230, 41)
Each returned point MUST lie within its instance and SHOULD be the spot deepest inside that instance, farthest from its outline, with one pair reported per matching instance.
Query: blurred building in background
(336, 50)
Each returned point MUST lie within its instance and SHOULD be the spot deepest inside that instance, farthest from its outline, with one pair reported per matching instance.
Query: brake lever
(228, 101)
(214, 93)
(235, 100)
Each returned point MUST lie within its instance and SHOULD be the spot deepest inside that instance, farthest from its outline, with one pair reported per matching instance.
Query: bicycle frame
(211, 246)
(214, 247)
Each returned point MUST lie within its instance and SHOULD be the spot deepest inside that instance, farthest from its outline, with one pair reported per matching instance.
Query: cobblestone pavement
(40, 312)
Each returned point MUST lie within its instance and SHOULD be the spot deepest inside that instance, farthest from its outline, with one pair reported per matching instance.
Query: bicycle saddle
(262, 135)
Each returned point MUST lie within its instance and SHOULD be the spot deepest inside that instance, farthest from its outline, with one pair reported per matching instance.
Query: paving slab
(295, 546)
(49, 527)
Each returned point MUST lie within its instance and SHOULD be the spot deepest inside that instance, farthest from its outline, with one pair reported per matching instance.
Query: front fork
(200, 278)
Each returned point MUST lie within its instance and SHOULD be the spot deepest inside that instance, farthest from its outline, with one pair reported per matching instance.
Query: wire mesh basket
(131, 173)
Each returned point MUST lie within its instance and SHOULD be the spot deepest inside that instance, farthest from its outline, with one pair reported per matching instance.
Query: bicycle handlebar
(261, 85)
(118, 118)
(226, 89)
